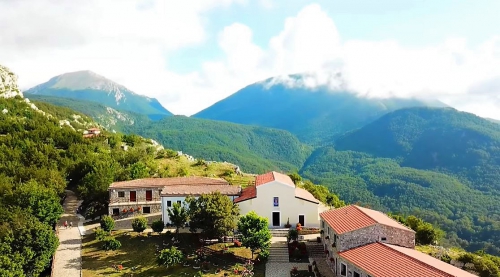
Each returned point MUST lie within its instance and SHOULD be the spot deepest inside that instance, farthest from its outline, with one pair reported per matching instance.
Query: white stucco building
(276, 197)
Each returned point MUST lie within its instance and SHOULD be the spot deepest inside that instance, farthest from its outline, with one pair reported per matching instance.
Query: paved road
(68, 259)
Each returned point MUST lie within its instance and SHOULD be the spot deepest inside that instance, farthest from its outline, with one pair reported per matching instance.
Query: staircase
(315, 250)
(279, 232)
(278, 253)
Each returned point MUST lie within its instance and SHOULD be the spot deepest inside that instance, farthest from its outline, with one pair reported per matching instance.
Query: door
(302, 220)
(133, 196)
(149, 195)
(276, 219)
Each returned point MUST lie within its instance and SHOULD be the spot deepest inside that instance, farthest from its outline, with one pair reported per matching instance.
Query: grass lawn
(140, 251)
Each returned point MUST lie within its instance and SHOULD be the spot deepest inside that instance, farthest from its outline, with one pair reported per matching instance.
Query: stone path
(68, 258)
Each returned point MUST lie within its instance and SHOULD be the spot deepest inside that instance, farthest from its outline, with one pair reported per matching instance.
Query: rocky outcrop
(8, 83)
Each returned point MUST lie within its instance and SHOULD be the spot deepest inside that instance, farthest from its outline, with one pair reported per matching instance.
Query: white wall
(289, 206)
(174, 199)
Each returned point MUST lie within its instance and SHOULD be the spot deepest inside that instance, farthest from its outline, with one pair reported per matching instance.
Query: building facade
(276, 197)
(361, 242)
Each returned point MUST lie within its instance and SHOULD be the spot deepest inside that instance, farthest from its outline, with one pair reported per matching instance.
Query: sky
(191, 54)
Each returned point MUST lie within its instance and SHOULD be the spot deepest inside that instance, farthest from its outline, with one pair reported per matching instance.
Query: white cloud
(127, 41)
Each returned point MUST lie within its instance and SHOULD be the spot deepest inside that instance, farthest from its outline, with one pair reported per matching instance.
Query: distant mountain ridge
(89, 86)
(314, 115)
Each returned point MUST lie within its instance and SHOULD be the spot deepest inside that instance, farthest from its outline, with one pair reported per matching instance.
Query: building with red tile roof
(276, 197)
(361, 242)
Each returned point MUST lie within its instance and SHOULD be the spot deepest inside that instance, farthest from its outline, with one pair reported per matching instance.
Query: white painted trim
(340, 269)
(272, 218)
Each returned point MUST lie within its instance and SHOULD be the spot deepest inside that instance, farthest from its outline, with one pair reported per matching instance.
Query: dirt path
(68, 259)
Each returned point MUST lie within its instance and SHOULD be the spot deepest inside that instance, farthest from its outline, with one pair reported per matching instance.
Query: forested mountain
(313, 115)
(255, 149)
(108, 117)
(89, 86)
(445, 140)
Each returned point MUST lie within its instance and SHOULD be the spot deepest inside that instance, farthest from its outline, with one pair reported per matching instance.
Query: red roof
(162, 182)
(248, 193)
(352, 217)
(384, 260)
(273, 176)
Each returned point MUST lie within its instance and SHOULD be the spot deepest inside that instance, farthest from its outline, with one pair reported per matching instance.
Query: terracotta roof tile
(352, 217)
(383, 260)
(305, 195)
(199, 189)
(162, 182)
(273, 176)
(246, 194)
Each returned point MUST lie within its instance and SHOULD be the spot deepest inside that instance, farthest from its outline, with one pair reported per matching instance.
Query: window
(356, 274)
(149, 195)
(383, 239)
(276, 201)
(343, 269)
(169, 203)
(146, 210)
(179, 202)
(116, 211)
(322, 224)
(133, 196)
(121, 194)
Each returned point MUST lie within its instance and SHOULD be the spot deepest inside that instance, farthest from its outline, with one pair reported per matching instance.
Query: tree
(255, 232)
(139, 224)
(25, 242)
(178, 214)
(37, 200)
(295, 177)
(111, 244)
(169, 257)
(139, 170)
(214, 213)
(107, 223)
(158, 226)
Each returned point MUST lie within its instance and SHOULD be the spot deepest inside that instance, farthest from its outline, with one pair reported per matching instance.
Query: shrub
(293, 234)
(100, 234)
(111, 244)
(107, 223)
(139, 224)
(263, 254)
(169, 257)
(158, 226)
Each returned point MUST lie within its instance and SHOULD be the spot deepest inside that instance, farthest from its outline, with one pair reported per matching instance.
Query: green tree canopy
(255, 232)
(178, 215)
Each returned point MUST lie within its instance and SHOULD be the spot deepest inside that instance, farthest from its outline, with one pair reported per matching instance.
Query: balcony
(141, 201)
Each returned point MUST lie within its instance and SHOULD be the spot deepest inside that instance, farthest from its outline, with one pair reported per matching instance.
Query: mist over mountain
(315, 114)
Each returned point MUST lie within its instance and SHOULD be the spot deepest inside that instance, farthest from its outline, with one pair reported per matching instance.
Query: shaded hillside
(470, 216)
(255, 149)
(315, 116)
(89, 86)
(445, 140)
(106, 116)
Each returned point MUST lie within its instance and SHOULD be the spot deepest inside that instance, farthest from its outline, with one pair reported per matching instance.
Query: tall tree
(215, 214)
(255, 232)
(178, 214)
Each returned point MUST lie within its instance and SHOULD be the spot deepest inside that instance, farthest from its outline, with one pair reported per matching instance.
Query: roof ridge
(414, 259)
(358, 208)
(384, 214)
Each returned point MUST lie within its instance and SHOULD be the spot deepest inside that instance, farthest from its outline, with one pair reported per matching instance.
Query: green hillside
(445, 140)
(470, 216)
(108, 117)
(89, 86)
(315, 116)
(255, 149)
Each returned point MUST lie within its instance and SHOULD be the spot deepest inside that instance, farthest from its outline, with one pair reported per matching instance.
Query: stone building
(361, 242)
(144, 196)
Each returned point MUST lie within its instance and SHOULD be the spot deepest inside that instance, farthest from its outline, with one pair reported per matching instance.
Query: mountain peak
(90, 86)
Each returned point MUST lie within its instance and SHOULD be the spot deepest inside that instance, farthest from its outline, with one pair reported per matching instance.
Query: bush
(169, 257)
(111, 244)
(139, 224)
(293, 234)
(100, 234)
(263, 254)
(158, 226)
(107, 223)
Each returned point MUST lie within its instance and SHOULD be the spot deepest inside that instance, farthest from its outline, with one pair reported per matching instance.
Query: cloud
(130, 41)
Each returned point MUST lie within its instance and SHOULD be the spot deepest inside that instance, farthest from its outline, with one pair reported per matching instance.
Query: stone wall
(124, 209)
(378, 232)
(396, 236)
(350, 269)
(140, 194)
